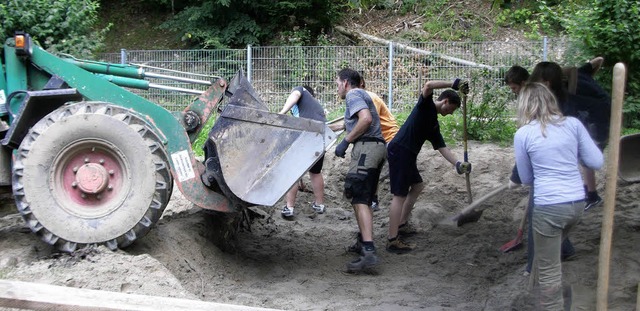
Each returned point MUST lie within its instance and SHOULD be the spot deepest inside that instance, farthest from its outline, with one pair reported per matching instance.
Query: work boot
(407, 230)
(398, 246)
(367, 260)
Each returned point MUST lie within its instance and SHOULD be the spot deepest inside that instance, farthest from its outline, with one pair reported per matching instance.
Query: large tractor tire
(91, 173)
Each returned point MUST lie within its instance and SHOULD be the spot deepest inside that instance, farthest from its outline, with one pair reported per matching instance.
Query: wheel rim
(91, 173)
(90, 178)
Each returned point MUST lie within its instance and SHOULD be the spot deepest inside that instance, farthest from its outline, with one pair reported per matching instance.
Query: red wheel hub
(92, 178)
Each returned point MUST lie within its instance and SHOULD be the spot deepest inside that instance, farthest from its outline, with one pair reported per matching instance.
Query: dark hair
(310, 90)
(351, 76)
(452, 95)
(552, 73)
(516, 74)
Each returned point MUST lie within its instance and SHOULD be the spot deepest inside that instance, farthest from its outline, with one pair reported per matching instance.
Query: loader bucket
(262, 154)
(629, 165)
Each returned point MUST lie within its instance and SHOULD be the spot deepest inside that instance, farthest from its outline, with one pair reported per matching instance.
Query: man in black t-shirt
(402, 153)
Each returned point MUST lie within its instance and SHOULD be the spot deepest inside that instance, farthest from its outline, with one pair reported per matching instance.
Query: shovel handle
(481, 200)
(466, 154)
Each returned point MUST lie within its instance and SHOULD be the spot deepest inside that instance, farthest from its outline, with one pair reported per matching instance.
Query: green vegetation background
(82, 27)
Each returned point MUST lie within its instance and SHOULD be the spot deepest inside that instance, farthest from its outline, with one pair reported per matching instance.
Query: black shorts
(403, 169)
(317, 167)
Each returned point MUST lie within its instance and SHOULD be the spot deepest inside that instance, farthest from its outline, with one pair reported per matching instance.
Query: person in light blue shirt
(549, 149)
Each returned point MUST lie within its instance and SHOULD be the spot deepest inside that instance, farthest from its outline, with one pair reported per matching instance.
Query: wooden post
(638, 299)
(619, 77)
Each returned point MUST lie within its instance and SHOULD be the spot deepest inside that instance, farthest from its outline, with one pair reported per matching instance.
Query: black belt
(370, 139)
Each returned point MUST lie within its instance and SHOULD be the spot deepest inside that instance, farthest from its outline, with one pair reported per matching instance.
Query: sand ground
(300, 264)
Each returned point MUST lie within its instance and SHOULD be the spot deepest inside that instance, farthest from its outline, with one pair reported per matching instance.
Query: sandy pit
(300, 264)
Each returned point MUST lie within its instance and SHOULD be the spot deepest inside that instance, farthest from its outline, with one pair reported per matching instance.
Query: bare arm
(291, 100)
(447, 154)
(337, 126)
(428, 87)
(364, 121)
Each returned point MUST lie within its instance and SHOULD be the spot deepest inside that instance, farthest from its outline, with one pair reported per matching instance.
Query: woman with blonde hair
(549, 149)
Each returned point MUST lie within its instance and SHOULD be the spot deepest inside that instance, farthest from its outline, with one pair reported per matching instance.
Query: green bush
(66, 26)
(610, 28)
(490, 109)
(224, 23)
(536, 18)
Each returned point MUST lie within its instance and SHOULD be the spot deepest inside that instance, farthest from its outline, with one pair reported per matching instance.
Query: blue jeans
(551, 224)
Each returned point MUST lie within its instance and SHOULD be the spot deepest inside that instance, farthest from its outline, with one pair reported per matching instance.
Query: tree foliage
(607, 28)
(237, 23)
(59, 26)
(610, 28)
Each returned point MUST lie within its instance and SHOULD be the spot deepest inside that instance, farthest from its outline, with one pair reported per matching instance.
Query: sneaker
(407, 230)
(287, 212)
(593, 202)
(319, 208)
(367, 260)
(374, 204)
(398, 246)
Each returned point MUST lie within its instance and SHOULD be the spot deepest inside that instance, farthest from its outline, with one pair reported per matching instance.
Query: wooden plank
(36, 296)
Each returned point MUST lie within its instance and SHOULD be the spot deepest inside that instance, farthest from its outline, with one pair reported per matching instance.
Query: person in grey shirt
(368, 154)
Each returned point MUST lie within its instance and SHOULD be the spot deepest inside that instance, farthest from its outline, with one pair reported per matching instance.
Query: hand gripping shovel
(517, 242)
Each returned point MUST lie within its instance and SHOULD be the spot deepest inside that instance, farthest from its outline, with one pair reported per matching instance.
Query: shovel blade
(471, 216)
(513, 244)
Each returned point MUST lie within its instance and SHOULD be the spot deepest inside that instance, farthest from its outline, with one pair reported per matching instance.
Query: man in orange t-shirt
(388, 126)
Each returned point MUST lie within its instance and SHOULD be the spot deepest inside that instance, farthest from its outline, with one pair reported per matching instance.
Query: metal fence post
(123, 56)
(544, 48)
(390, 100)
(249, 62)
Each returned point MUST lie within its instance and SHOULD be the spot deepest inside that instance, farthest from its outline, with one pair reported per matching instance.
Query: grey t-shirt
(356, 100)
(308, 106)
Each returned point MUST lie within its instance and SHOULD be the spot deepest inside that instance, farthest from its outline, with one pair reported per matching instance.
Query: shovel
(469, 211)
(472, 215)
(517, 242)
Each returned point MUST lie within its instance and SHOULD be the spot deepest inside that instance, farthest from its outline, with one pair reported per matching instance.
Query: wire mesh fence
(396, 71)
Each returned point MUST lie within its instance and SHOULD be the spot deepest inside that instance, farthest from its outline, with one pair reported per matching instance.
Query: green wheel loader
(90, 162)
